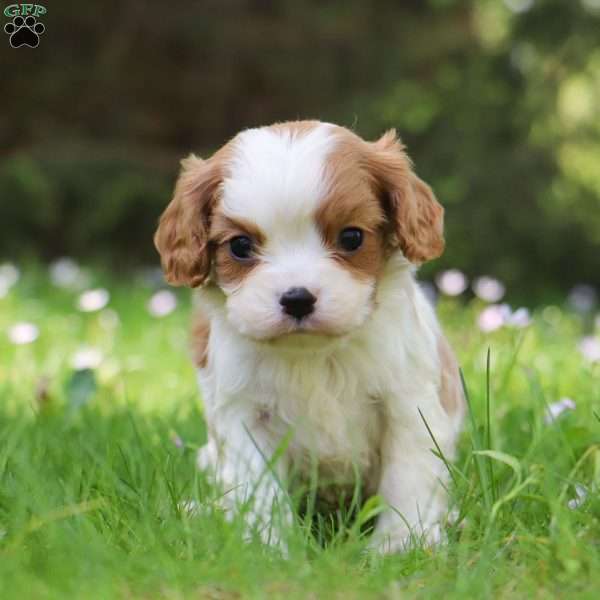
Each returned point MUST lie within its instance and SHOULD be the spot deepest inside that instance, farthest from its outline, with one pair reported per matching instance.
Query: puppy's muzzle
(298, 302)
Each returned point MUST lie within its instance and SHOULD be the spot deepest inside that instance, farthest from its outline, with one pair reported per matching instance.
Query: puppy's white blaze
(277, 175)
(293, 248)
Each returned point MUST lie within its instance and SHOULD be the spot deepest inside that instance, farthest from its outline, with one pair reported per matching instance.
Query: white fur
(277, 181)
(279, 175)
(347, 402)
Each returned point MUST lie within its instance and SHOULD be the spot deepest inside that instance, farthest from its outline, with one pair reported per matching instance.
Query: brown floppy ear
(417, 218)
(182, 235)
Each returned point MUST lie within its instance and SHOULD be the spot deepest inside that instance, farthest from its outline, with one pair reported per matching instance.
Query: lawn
(100, 421)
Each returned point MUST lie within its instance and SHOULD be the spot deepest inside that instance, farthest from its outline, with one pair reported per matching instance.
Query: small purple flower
(493, 317)
(93, 300)
(489, 289)
(452, 282)
(556, 409)
(162, 303)
(589, 346)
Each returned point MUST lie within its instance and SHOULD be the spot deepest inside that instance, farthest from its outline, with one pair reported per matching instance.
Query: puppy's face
(294, 223)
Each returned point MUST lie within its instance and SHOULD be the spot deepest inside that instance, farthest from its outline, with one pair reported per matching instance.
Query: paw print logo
(24, 32)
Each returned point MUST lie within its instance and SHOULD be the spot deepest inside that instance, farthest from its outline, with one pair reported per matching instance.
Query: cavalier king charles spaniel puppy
(321, 363)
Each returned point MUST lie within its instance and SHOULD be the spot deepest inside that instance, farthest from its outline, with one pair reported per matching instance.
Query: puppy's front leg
(239, 453)
(412, 484)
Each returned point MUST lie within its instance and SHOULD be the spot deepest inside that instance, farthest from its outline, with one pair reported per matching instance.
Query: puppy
(318, 356)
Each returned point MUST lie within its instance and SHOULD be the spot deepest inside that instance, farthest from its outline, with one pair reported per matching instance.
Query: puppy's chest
(329, 409)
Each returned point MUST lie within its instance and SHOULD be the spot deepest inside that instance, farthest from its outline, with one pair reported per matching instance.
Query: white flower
(556, 409)
(162, 303)
(92, 300)
(66, 273)
(520, 318)
(23, 333)
(582, 298)
(489, 289)
(86, 358)
(452, 282)
(589, 346)
(580, 497)
(493, 317)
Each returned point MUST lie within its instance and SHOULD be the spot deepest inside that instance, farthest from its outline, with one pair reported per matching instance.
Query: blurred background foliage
(497, 101)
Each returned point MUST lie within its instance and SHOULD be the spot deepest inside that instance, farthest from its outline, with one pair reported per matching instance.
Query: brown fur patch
(182, 235)
(200, 339)
(372, 186)
(416, 215)
(223, 228)
(229, 270)
(451, 392)
(352, 202)
(364, 177)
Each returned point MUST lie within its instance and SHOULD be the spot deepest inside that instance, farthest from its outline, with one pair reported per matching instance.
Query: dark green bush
(496, 101)
(91, 208)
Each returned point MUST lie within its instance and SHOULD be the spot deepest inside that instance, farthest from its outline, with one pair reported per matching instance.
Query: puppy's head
(294, 223)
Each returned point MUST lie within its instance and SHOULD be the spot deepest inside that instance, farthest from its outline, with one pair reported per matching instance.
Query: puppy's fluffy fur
(339, 392)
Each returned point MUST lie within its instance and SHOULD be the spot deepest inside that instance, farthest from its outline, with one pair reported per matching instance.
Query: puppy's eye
(350, 239)
(241, 246)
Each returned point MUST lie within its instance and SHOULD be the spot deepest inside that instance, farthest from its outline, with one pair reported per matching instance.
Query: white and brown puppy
(310, 326)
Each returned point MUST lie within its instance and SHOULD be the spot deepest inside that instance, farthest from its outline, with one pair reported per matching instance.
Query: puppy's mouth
(302, 341)
(310, 325)
(303, 335)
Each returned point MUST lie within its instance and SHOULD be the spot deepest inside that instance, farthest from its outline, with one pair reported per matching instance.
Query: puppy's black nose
(298, 302)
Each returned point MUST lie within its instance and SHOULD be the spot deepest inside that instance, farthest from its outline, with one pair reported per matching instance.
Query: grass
(94, 468)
